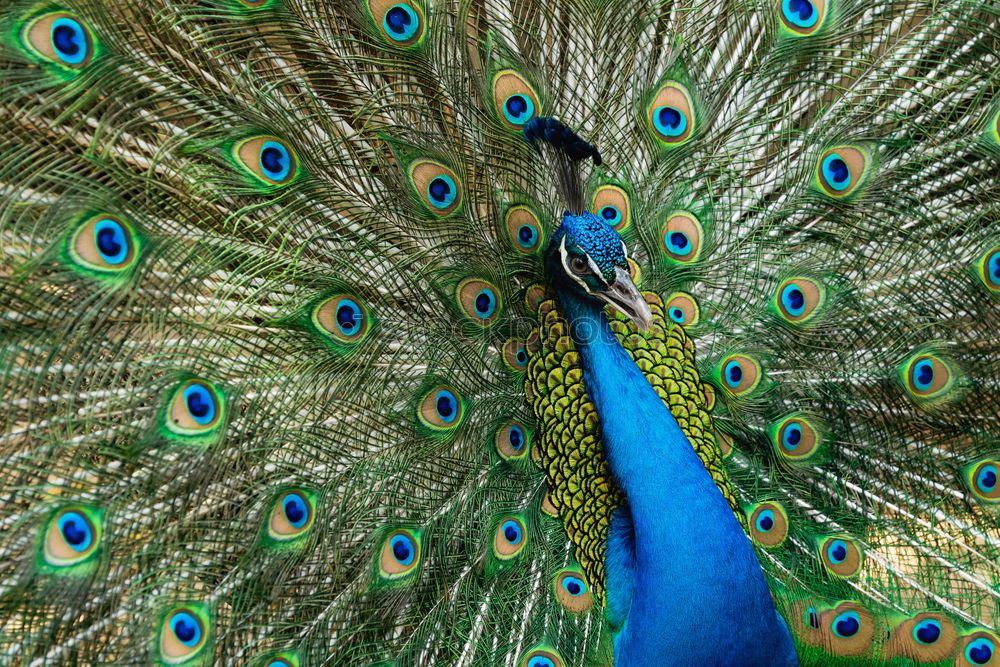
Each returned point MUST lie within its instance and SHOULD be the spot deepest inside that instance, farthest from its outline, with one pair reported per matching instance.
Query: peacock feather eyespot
(71, 537)
(739, 374)
(983, 479)
(768, 524)
(798, 299)
(60, 38)
(796, 437)
(989, 270)
(402, 23)
(840, 556)
(541, 656)
(197, 408)
(479, 300)
(515, 355)
(841, 170)
(681, 237)
(513, 441)
(515, 100)
(343, 317)
(510, 538)
(441, 409)
(977, 649)
(104, 245)
(848, 628)
(291, 515)
(802, 17)
(928, 377)
(400, 554)
(572, 591)
(611, 204)
(926, 637)
(438, 187)
(524, 229)
(184, 634)
(682, 309)
(670, 115)
(269, 159)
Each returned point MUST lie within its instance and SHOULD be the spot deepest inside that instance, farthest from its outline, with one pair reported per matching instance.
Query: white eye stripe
(596, 271)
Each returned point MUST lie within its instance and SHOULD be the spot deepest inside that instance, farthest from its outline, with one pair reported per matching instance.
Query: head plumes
(585, 257)
(562, 149)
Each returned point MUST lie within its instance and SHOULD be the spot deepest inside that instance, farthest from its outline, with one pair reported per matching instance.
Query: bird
(485, 332)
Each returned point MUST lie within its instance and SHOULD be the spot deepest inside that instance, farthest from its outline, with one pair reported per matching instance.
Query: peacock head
(588, 259)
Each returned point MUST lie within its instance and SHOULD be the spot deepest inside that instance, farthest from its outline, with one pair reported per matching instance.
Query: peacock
(537, 333)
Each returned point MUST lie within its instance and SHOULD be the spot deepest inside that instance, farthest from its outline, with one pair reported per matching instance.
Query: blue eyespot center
(611, 214)
(200, 403)
(669, 121)
(403, 549)
(401, 22)
(801, 13)
(923, 374)
(980, 651)
(446, 405)
(521, 356)
(837, 551)
(733, 374)
(527, 236)
(540, 662)
(442, 191)
(986, 480)
(813, 618)
(793, 300)
(836, 172)
(847, 624)
(765, 521)
(518, 109)
(485, 303)
(792, 436)
(186, 628)
(516, 438)
(512, 532)
(111, 241)
(574, 586)
(927, 632)
(296, 510)
(349, 317)
(275, 161)
(69, 40)
(678, 243)
(677, 315)
(76, 531)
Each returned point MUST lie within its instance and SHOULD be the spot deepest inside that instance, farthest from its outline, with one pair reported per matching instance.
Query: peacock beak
(624, 297)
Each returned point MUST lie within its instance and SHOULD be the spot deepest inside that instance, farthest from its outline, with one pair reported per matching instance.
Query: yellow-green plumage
(570, 449)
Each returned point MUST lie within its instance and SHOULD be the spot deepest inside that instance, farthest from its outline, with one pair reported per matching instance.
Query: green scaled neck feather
(292, 368)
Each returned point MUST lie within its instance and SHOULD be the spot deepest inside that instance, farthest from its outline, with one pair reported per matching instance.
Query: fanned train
(500, 332)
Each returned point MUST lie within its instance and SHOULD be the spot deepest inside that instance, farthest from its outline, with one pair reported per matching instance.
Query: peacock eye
(578, 265)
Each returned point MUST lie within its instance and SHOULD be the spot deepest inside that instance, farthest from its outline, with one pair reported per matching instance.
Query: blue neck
(683, 583)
